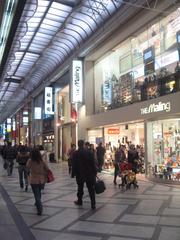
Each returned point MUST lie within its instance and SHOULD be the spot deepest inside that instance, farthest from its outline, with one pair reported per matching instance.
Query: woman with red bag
(38, 170)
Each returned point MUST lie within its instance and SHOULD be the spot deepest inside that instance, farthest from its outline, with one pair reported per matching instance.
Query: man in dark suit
(83, 164)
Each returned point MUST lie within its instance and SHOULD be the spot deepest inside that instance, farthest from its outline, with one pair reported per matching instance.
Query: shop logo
(160, 107)
(77, 81)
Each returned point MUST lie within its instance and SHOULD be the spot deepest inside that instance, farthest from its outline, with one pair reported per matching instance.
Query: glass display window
(116, 73)
(164, 149)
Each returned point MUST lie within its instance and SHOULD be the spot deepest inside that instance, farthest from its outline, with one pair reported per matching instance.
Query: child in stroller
(128, 177)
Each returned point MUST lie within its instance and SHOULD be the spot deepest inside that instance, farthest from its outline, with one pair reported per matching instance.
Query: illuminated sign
(159, 107)
(14, 124)
(8, 128)
(37, 113)
(25, 120)
(48, 101)
(113, 131)
(148, 54)
(8, 120)
(77, 78)
(107, 92)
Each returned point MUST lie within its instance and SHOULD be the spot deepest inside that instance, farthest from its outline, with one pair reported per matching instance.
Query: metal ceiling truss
(48, 34)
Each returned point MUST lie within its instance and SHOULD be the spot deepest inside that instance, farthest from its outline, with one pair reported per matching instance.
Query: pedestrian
(84, 169)
(22, 158)
(70, 155)
(119, 158)
(9, 156)
(38, 176)
(133, 157)
(100, 151)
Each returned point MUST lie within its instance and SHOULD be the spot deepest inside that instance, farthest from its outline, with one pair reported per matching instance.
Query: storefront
(114, 136)
(163, 149)
(143, 67)
(66, 123)
(133, 91)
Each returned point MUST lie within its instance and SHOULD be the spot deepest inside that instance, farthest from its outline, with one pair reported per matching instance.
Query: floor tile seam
(165, 205)
(105, 235)
(44, 219)
(129, 209)
(19, 200)
(157, 232)
(18, 220)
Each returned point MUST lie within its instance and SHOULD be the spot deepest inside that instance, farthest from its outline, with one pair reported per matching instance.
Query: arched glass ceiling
(48, 33)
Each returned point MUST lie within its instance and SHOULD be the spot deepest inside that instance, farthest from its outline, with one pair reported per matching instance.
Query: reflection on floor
(150, 212)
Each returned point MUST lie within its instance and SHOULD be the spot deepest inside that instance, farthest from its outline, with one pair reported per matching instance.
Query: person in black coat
(84, 169)
(133, 158)
(9, 156)
(100, 151)
(22, 159)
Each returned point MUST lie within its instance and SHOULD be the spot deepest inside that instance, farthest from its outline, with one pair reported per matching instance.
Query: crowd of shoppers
(32, 168)
(84, 164)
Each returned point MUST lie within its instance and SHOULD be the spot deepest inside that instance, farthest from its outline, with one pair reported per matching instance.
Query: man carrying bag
(84, 169)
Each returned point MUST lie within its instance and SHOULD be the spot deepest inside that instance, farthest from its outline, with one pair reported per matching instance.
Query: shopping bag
(99, 186)
(5, 165)
(50, 176)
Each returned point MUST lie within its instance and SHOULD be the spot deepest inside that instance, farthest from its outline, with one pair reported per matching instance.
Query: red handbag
(50, 176)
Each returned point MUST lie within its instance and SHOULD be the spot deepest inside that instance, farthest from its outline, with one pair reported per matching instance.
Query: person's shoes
(93, 206)
(39, 213)
(79, 203)
(115, 183)
(26, 188)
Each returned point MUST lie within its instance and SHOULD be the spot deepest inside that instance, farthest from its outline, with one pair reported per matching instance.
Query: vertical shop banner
(107, 89)
(48, 105)
(8, 124)
(77, 82)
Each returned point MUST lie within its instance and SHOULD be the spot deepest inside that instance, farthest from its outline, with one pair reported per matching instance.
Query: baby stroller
(128, 177)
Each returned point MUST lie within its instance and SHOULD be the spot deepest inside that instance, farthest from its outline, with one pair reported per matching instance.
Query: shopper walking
(133, 157)
(84, 169)
(9, 156)
(100, 151)
(38, 176)
(22, 159)
(119, 158)
(70, 156)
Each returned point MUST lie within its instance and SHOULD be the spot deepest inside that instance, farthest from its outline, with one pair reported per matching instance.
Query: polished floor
(150, 212)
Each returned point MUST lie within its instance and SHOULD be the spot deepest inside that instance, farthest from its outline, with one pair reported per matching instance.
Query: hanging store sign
(48, 101)
(77, 79)
(14, 124)
(113, 131)
(159, 107)
(25, 120)
(37, 113)
(8, 120)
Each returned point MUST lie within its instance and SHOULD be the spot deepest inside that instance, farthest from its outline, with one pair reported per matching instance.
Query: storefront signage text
(113, 131)
(160, 107)
(48, 100)
(77, 81)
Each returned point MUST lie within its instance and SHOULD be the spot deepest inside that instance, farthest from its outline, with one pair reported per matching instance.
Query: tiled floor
(150, 212)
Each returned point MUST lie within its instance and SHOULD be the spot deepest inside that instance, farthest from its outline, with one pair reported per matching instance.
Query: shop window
(164, 149)
(123, 77)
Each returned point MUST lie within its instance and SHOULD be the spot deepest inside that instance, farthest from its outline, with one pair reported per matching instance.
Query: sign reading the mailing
(48, 100)
(77, 78)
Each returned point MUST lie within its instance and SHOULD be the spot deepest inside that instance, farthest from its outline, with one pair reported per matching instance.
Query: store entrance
(125, 134)
(116, 135)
